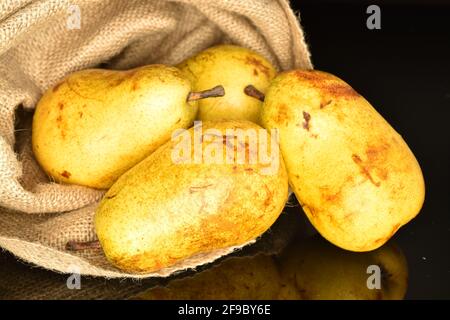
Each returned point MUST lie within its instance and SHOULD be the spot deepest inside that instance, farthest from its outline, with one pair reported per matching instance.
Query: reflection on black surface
(315, 269)
(308, 268)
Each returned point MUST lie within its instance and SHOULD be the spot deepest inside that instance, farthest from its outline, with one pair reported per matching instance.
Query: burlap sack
(40, 43)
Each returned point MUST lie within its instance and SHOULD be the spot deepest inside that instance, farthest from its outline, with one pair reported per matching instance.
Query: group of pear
(354, 176)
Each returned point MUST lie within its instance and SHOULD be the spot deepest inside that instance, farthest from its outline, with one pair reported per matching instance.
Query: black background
(403, 69)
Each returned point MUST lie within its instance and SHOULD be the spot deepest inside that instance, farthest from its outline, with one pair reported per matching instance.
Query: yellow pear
(210, 187)
(353, 174)
(96, 124)
(320, 271)
(234, 68)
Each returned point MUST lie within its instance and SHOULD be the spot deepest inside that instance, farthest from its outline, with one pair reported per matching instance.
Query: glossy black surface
(404, 71)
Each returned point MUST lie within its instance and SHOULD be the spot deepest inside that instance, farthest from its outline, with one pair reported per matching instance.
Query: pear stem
(78, 246)
(251, 91)
(217, 91)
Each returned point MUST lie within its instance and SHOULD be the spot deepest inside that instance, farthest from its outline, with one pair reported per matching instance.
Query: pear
(96, 124)
(320, 271)
(355, 177)
(234, 68)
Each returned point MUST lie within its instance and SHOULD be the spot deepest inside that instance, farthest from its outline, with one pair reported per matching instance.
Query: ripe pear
(234, 68)
(355, 177)
(193, 195)
(96, 124)
(235, 278)
(321, 271)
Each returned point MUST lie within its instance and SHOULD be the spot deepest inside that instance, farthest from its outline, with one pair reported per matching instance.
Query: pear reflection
(307, 269)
